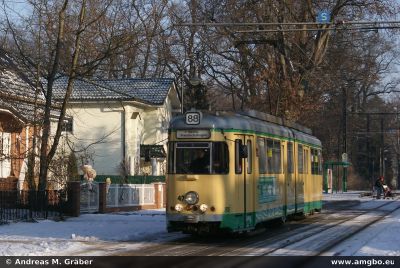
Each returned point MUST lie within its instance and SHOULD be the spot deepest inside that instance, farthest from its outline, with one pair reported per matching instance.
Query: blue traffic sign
(324, 17)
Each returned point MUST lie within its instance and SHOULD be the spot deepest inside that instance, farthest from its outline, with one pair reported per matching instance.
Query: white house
(117, 120)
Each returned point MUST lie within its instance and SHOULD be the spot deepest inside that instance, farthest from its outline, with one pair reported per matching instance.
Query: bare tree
(64, 48)
(270, 70)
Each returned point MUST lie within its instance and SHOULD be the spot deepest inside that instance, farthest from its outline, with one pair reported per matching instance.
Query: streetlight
(194, 81)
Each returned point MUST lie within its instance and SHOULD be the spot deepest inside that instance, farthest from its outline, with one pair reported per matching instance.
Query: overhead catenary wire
(239, 24)
(327, 26)
(319, 29)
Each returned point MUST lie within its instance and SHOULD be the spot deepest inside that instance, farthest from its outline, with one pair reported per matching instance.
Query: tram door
(244, 155)
(290, 186)
(300, 177)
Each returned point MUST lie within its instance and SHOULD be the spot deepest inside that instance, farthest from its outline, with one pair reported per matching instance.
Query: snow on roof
(17, 93)
(147, 90)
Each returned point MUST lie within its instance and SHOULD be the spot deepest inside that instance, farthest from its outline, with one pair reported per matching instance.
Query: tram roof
(250, 121)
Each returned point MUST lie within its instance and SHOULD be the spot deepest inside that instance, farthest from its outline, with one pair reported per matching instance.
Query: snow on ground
(379, 239)
(100, 234)
(76, 236)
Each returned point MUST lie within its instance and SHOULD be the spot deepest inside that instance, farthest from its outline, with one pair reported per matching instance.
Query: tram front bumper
(193, 218)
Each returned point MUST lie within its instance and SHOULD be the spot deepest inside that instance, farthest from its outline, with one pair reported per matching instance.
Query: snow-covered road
(106, 234)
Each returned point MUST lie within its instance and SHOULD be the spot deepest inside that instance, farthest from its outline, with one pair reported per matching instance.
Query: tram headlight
(203, 207)
(191, 198)
(178, 207)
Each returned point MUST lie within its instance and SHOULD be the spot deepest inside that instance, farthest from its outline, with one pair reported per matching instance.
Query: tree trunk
(46, 158)
(44, 161)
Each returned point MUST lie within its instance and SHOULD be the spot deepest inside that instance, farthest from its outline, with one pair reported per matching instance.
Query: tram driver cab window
(198, 158)
(201, 162)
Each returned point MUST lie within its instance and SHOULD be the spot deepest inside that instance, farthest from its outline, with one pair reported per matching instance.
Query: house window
(5, 145)
(67, 125)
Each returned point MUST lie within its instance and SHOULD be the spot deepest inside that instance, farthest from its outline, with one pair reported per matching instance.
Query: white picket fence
(130, 195)
(124, 195)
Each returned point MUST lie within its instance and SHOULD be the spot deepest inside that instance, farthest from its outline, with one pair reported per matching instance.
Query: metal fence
(89, 197)
(120, 195)
(18, 205)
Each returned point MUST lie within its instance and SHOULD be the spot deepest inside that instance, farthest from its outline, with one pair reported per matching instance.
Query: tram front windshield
(198, 158)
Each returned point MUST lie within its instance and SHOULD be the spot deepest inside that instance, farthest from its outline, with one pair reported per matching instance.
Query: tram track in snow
(276, 244)
(313, 233)
(325, 238)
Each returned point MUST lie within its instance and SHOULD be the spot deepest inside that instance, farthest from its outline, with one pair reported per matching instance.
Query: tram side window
(276, 157)
(300, 159)
(273, 159)
(262, 161)
(306, 161)
(270, 154)
(238, 160)
(249, 158)
(314, 162)
(290, 157)
(220, 158)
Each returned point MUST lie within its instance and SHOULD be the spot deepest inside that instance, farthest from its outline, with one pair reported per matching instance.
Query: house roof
(12, 79)
(17, 94)
(152, 91)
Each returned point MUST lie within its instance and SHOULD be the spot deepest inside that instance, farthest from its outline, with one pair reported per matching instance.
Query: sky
(100, 234)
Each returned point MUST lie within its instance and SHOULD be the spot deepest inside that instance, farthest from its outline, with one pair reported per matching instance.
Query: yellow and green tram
(233, 171)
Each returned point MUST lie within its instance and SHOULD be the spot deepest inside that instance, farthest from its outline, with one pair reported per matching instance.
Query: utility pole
(370, 171)
(382, 157)
(344, 149)
(344, 120)
(398, 148)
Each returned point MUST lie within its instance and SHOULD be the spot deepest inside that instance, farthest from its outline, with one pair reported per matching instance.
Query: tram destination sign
(193, 134)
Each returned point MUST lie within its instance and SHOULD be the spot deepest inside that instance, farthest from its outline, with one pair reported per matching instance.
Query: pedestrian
(379, 186)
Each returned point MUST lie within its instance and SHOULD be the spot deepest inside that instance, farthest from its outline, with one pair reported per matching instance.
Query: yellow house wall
(95, 122)
(100, 127)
